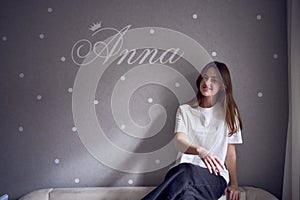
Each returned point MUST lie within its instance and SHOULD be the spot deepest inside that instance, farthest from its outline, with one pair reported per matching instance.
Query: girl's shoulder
(192, 104)
(186, 107)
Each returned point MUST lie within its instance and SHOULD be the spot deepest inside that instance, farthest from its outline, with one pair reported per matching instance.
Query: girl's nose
(208, 81)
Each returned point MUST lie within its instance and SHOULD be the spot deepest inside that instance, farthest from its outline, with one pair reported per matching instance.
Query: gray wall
(40, 147)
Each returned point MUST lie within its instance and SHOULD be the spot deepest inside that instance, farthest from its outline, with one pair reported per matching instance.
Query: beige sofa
(122, 193)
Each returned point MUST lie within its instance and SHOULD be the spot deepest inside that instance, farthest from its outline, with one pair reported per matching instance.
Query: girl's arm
(182, 145)
(212, 162)
(232, 189)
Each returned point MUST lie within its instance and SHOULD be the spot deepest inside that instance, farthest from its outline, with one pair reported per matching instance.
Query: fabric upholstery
(123, 193)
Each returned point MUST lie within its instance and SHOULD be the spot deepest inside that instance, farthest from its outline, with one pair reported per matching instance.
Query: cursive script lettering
(84, 51)
(140, 59)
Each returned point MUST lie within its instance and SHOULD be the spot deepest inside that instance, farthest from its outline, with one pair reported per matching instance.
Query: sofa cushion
(123, 193)
(253, 193)
(108, 193)
(89, 193)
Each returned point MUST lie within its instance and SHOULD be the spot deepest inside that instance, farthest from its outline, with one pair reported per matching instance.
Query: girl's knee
(188, 170)
(185, 172)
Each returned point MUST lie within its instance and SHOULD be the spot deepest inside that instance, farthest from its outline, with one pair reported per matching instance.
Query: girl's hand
(232, 192)
(212, 162)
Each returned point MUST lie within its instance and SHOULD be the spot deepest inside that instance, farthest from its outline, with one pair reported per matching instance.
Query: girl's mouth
(206, 88)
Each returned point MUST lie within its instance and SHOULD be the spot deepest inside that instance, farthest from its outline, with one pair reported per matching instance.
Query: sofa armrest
(42, 194)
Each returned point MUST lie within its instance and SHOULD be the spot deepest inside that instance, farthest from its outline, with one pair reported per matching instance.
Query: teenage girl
(206, 131)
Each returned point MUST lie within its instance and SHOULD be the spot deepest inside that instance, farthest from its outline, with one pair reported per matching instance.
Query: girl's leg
(188, 181)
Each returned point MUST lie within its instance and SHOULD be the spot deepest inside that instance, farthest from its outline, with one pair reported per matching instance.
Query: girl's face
(211, 82)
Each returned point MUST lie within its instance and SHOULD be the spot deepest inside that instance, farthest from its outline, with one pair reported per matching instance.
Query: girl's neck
(208, 102)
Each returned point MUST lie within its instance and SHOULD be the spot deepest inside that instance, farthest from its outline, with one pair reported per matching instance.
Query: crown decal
(95, 26)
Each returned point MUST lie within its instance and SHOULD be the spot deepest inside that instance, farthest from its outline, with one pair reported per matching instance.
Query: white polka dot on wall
(214, 53)
(177, 84)
(150, 100)
(50, 10)
(275, 56)
(63, 59)
(39, 97)
(70, 90)
(21, 129)
(21, 75)
(4, 38)
(195, 16)
(157, 161)
(56, 161)
(76, 180)
(123, 126)
(152, 31)
(74, 129)
(260, 94)
(258, 17)
(123, 78)
(42, 36)
(130, 182)
(96, 102)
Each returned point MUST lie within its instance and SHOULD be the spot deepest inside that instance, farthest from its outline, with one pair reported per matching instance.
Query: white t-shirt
(205, 127)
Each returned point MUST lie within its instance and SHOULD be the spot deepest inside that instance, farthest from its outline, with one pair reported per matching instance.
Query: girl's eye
(214, 80)
(205, 77)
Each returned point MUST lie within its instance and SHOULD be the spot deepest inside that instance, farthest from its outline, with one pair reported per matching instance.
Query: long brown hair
(233, 119)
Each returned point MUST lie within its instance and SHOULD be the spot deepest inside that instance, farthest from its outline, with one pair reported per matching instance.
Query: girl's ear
(224, 87)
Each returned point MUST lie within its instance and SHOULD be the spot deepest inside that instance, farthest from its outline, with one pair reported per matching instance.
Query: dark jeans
(189, 182)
